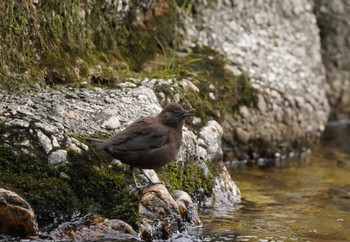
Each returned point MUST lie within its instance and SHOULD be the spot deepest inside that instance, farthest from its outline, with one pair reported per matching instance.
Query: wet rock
(186, 207)
(16, 216)
(225, 190)
(164, 214)
(58, 157)
(94, 228)
(160, 215)
(183, 237)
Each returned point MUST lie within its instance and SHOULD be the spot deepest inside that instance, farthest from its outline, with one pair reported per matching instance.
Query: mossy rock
(89, 184)
(62, 42)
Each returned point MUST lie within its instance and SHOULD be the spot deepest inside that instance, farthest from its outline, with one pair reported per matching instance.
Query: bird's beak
(189, 112)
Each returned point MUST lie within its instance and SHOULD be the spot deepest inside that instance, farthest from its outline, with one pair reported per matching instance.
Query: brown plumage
(149, 142)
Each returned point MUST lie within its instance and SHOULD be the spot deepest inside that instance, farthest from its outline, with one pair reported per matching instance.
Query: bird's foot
(155, 183)
(134, 190)
(138, 187)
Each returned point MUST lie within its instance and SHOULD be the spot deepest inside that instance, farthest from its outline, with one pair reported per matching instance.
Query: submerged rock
(94, 228)
(16, 216)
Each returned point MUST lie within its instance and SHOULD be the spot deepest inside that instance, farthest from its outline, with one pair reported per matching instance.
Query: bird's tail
(96, 142)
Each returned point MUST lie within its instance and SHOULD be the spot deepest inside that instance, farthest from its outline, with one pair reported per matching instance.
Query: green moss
(102, 188)
(61, 42)
(39, 184)
(189, 178)
(92, 186)
(206, 69)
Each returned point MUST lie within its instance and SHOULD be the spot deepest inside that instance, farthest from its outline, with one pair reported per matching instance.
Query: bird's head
(174, 115)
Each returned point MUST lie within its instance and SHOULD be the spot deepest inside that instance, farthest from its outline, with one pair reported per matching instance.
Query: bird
(149, 142)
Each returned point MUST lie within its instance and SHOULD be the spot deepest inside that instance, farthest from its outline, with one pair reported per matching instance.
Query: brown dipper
(149, 142)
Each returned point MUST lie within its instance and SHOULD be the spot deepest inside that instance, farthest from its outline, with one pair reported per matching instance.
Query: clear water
(301, 200)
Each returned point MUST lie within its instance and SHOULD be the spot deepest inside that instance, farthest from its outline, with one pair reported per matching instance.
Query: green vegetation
(206, 69)
(61, 42)
(90, 184)
(189, 178)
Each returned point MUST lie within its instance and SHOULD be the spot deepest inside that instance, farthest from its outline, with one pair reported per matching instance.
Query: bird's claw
(135, 189)
(138, 187)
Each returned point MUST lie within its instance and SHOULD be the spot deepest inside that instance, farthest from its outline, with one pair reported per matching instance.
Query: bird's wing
(140, 135)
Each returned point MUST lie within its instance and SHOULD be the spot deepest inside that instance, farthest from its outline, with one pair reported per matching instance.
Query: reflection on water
(306, 200)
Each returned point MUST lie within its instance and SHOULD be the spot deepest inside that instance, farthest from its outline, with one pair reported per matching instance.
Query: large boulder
(277, 45)
(47, 128)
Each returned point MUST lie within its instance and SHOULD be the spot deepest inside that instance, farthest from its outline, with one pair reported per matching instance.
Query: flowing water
(305, 199)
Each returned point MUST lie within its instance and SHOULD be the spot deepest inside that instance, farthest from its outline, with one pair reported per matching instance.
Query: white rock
(44, 141)
(58, 157)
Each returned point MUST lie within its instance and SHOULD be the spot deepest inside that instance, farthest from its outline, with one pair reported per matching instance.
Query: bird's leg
(151, 182)
(137, 185)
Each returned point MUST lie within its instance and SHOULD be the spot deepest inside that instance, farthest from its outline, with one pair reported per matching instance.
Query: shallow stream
(306, 199)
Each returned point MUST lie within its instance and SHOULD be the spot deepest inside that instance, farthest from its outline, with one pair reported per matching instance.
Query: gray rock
(55, 143)
(111, 123)
(242, 135)
(187, 85)
(48, 128)
(58, 157)
(225, 190)
(211, 135)
(45, 141)
(333, 18)
(281, 61)
(196, 120)
(19, 123)
(183, 237)
(94, 228)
